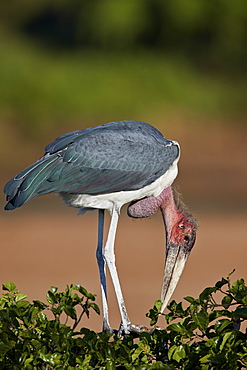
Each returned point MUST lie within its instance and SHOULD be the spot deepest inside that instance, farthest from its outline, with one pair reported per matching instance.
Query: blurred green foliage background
(65, 60)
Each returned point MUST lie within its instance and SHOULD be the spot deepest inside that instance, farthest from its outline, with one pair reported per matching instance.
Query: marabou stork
(105, 167)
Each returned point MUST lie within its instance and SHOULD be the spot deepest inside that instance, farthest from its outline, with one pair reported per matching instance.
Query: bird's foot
(131, 329)
(108, 329)
(135, 330)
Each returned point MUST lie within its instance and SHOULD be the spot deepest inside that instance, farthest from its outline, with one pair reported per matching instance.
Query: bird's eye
(186, 238)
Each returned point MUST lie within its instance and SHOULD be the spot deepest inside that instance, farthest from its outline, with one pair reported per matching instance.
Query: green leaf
(158, 305)
(40, 304)
(239, 290)
(190, 299)
(136, 353)
(226, 301)
(214, 315)
(231, 273)
(34, 312)
(20, 296)
(84, 291)
(177, 328)
(50, 297)
(221, 283)
(220, 325)
(240, 312)
(176, 353)
(244, 299)
(226, 338)
(110, 365)
(154, 312)
(153, 315)
(205, 359)
(70, 311)
(9, 286)
(201, 319)
(23, 304)
(53, 289)
(95, 307)
(206, 293)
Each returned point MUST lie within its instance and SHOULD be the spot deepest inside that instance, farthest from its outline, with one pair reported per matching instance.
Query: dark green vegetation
(79, 63)
(211, 34)
(44, 90)
(205, 335)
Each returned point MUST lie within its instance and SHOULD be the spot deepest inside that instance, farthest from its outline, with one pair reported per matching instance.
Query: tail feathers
(12, 186)
(29, 183)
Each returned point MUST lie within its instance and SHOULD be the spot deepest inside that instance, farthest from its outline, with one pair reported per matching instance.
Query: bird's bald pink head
(180, 235)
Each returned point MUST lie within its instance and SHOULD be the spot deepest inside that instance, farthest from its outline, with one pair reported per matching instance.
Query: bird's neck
(170, 213)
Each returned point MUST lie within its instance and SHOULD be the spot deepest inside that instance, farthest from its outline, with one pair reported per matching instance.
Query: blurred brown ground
(44, 243)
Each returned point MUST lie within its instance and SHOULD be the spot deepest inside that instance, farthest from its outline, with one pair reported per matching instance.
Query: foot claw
(132, 329)
(137, 329)
(107, 329)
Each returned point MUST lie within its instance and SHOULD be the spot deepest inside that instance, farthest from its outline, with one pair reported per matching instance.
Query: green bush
(208, 33)
(205, 335)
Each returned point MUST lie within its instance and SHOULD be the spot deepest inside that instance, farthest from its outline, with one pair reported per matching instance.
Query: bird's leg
(101, 263)
(109, 257)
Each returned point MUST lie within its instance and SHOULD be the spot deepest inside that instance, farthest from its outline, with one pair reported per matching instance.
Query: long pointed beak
(176, 257)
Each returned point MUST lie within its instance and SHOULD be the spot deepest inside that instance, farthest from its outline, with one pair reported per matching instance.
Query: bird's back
(117, 156)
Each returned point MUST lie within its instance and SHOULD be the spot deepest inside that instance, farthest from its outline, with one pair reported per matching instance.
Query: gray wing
(118, 156)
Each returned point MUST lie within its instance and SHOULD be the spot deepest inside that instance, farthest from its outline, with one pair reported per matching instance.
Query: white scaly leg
(101, 263)
(109, 257)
